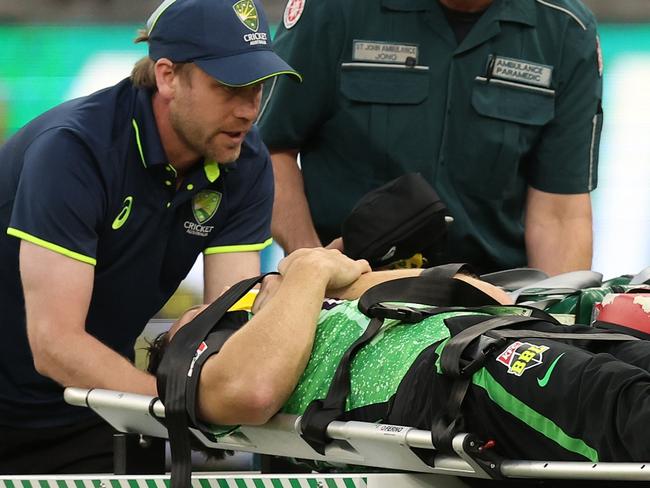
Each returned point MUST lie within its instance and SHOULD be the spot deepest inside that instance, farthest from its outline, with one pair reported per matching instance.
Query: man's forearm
(258, 367)
(79, 359)
(58, 292)
(559, 235)
(292, 226)
(561, 246)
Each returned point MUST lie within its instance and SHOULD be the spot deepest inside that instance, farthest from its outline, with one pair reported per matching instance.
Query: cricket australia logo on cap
(204, 205)
(247, 13)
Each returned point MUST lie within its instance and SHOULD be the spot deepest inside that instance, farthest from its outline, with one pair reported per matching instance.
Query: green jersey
(377, 369)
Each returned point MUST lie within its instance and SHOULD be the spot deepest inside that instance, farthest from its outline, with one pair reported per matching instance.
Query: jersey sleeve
(292, 111)
(248, 227)
(566, 158)
(60, 200)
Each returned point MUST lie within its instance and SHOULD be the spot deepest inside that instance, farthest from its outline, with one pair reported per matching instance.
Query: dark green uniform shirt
(388, 90)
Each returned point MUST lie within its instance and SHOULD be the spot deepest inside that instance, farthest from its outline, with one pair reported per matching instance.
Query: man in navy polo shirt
(105, 203)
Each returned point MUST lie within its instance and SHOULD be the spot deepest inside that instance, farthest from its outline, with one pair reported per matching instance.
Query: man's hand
(338, 269)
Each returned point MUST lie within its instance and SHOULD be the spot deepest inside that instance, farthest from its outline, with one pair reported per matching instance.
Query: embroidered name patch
(384, 52)
(521, 71)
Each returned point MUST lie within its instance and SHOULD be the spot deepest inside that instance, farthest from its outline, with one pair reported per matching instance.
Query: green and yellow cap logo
(247, 13)
(205, 204)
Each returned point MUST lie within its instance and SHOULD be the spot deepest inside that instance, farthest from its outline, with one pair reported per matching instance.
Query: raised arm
(258, 367)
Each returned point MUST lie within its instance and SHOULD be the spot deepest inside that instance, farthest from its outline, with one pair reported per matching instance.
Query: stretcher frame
(356, 443)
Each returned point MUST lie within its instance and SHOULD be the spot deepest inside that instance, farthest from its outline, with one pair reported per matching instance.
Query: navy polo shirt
(89, 179)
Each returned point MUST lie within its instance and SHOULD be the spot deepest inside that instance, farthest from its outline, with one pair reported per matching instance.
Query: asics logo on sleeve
(124, 213)
(542, 382)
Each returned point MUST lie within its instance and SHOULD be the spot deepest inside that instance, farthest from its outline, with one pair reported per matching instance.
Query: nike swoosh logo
(542, 382)
(124, 213)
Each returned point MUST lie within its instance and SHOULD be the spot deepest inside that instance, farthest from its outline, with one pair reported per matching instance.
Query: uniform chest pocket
(504, 123)
(384, 84)
(383, 108)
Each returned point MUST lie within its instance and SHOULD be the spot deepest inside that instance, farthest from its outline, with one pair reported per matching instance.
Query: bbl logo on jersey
(520, 356)
(247, 13)
(204, 205)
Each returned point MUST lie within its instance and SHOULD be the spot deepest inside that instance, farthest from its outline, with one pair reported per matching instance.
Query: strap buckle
(475, 357)
(403, 313)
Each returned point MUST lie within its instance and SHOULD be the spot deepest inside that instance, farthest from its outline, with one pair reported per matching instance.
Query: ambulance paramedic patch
(521, 356)
(292, 12)
(520, 71)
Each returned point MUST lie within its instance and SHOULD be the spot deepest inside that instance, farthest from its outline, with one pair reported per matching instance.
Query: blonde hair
(143, 74)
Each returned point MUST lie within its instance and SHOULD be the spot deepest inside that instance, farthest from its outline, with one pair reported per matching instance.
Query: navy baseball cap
(228, 39)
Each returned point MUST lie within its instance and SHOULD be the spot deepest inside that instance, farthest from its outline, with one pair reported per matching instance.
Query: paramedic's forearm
(292, 226)
(558, 232)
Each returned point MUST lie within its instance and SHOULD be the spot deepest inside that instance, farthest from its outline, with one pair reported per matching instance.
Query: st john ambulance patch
(292, 12)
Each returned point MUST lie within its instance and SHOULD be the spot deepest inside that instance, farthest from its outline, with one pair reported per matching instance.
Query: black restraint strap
(320, 413)
(602, 336)
(450, 359)
(448, 422)
(426, 290)
(172, 377)
(448, 270)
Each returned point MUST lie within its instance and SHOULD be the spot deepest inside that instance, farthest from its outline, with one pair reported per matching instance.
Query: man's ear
(165, 78)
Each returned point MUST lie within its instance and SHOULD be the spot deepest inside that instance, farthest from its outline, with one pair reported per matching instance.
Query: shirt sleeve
(59, 201)
(248, 227)
(566, 158)
(292, 111)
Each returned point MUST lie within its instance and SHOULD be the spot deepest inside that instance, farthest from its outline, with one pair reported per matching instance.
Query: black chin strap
(174, 372)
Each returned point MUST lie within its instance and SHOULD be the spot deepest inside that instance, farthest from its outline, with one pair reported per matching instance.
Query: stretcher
(353, 443)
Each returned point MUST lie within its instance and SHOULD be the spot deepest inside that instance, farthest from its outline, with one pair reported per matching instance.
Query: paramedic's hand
(338, 269)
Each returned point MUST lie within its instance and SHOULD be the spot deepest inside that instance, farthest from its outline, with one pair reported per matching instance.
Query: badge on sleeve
(292, 12)
(599, 56)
